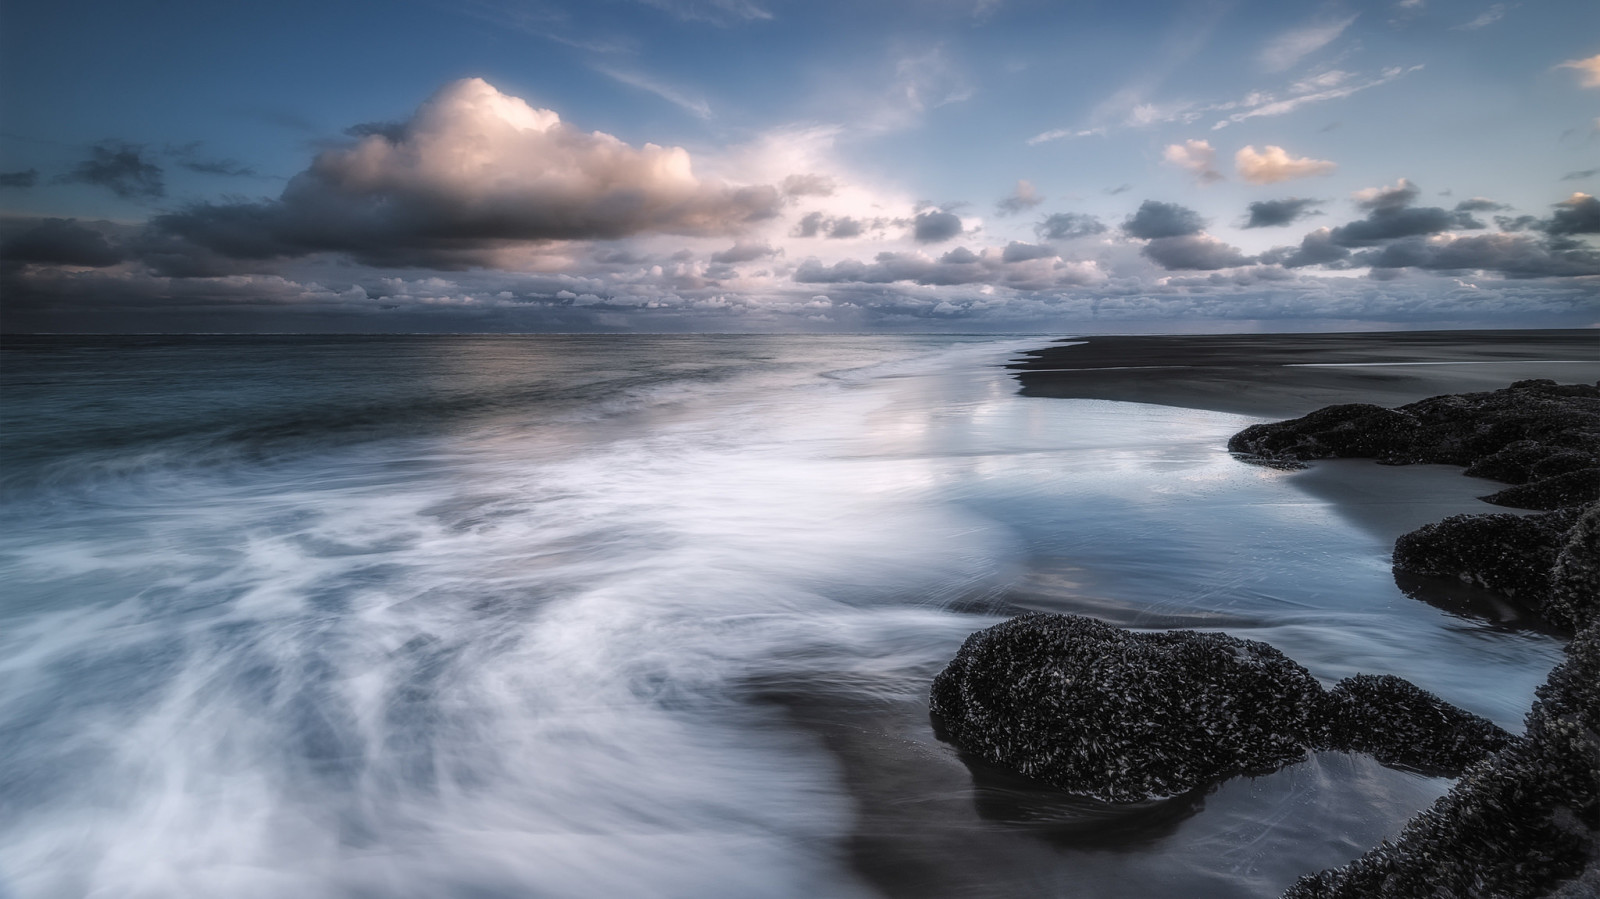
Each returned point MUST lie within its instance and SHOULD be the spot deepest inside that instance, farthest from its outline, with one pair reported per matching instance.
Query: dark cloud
(1579, 214)
(1579, 176)
(1119, 189)
(1068, 225)
(533, 178)
(1023, 198)
(744, 252)
(1393, 222)
(57, 242)
(19, 179)
(228, 167)
(120, 168)
(815, 224)
(1316, 248)
(1272, 213)
(1480, 204)
(1200, 252)
(809, 186)
(1512, 255)
(393, 132)
(1519, 223)
(1156, 220)
(960, 266)
(935, 226)
(846, 227)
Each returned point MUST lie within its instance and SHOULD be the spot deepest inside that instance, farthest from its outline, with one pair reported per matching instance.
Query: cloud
(1283, 51)
(1588, 70)
(935, 226)
(56, 242)
(1480, 204)
(1156, 220)
(715, 12)
(1513, 255)
(1570, 176)
(1068, 226)
(1196, 156)
(1200, 252)
(744, 252)
(1375, 199)
(1027, 268)
(810, 185)
(1388, 224)
(1578, 214)
(1488, 17)
(1273, 213)
(1303, 93)
(1316, 248)
(475, 172)
(1275, 164)
(1023, 197)
(28, 178)
(121, 168)
(695, 106)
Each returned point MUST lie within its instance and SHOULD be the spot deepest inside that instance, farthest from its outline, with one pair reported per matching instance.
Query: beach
(649, 615)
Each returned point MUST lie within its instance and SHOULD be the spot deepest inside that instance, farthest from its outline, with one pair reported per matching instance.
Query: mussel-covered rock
(1399, 723)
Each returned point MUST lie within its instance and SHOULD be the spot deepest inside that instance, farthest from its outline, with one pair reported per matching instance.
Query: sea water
(644, 616)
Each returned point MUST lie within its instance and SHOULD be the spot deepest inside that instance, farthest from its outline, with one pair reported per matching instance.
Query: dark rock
(1519, 824)
(1399, 723)
(1574, 598)
(1533, 431)
(1508, 553)
(1123, 716)
(1555, 492)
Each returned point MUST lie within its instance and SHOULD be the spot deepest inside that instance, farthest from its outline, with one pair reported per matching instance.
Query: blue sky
(769, 165)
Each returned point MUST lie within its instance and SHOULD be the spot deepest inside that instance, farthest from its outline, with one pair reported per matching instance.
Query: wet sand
(1287, 375)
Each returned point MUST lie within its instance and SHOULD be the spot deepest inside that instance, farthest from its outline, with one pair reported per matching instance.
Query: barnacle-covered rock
(1523, 824)
(1123, 716)
(1527, 434)
(1508, 553)
(1399, 723)
(1574, 598)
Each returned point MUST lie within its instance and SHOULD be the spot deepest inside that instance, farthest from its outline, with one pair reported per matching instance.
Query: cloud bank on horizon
(666, 165)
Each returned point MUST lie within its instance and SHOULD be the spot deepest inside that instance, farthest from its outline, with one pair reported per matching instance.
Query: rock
(1555, 492)
(1524, 823)
(1399, 723)
(1512, 554)
(1528, 433)
(1574, 598)
(1122, 716)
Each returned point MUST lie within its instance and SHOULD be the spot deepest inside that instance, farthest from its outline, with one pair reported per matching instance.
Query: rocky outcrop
(1516, 826)
(1542, 436)
(1123, 716)
(1508, 553)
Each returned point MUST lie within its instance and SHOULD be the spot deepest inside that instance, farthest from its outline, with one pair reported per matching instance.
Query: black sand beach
(1281, 375)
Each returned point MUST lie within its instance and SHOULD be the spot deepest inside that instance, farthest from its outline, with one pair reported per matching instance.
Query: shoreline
(1287, 375)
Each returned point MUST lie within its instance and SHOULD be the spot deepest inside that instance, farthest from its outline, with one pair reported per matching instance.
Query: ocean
(646, 616)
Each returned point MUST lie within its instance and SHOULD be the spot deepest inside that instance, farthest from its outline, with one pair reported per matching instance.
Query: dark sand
(1288, 375)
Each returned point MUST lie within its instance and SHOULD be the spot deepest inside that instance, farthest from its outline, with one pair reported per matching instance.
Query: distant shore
(1285, 375)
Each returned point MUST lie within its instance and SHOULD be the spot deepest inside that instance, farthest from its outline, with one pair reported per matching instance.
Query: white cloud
(1258, 105)
(1196, 156)
(1588, 70)
(1282, 52)
(1274, 164)
(695, 106)
(1489, 16)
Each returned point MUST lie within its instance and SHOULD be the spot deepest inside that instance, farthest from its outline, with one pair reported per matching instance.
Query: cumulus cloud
(28, 178)
(1273, 213)
(1023, 197)
(1200, 252)
(1283, 51)
(56, 242)
(1275, 164)
(121, 168)
(1588, 70)
(1480, 204)
(1196, 156)
(1375, 199)
(935, 226)
(1578, 214)
(1156, 220)
(1513, 255)
(1316, 248)
(475, 170)
(1068, 226)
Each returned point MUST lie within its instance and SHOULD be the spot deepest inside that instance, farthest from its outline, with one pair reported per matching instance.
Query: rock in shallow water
(1122, 716)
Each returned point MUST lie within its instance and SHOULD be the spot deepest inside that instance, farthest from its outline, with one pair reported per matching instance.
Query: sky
(1004, 166)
